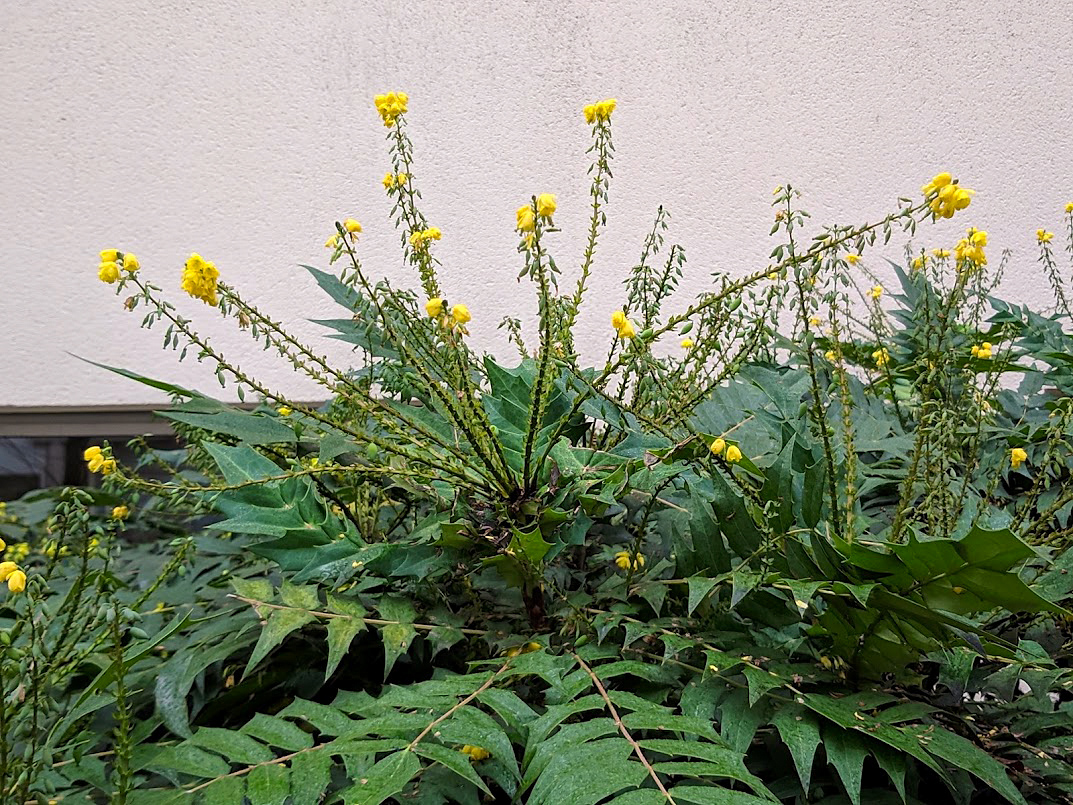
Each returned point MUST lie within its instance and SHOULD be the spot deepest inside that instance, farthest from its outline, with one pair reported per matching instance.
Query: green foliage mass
(796, 560)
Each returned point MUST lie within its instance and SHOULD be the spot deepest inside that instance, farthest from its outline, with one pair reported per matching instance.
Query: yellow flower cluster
(830, 355)
(284, 410)
(15, 578)
(1017, 457)
(876, 292)
(199, 279)
(600, 112)
(942, 254)
(419, 240)
(392, 180)
(917, 263)
(18, 551)
(623, 326)
(982, 351)
(434, 307)
(475, 752)
(687, 343)
(733, 452)
(526, 219)
(970, 249)
(1043, 236)
(112, 261)
(545, 205)
(881, 357)
(390, 106)
(97, 461)
(120, 512)
(460, 314)
(853, 259)
(945, 196)
(1069, 207)
(625, 561)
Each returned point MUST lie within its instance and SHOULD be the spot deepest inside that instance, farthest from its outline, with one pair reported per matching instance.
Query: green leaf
(760, 682)
(799, 731)
(241, 464)
(699, 587)
(224, 791)
(587, 774)
(968, 756)
(713, 795)
(397, 637)
(847, 751)
(384, 780)
(277, 732)
(454, 760)
(311, 773)
(190, 760)
(530, 544)
(342, 631)
(281, 622)
(234, 746)
(469, 725)
(251, 428)
(269, 784)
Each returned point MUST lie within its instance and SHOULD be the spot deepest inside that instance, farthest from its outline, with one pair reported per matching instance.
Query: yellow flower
(109, 255)
(945, 196)
(130, 262)
(98, 462)
(733, 454)
(351, 226)
(625, 561)
(1069, 207)
(718, 446)
(545, 205)
(1043, 236)
(460, 313)
(390, 106)
(627, 330)
(881, 357)
(970, 249)
(284, 410)
(1017, 457)
(6, 569)
(600, 111)
(526, 219)
(401, 179)
(687, 343)
(830, 355)
(814, 321)
(917, 263)
(618, 318)
(389, 180)
(19, 551)
(199, 279)
(16, 582)
(853, 259)
(942, 254)
(475, 752)
(3, 545)
(108, 272)
(120, 512)
(419, 240)
(434, 307)
(975, 351)
(876, 292)
(332, 242)
(940, 181)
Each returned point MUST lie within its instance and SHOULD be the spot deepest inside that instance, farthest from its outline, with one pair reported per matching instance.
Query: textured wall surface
(243, 130)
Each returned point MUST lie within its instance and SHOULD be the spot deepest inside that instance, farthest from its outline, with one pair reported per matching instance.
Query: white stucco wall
(242, 130)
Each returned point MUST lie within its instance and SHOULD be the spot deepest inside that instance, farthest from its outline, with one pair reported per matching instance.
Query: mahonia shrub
(802, 539)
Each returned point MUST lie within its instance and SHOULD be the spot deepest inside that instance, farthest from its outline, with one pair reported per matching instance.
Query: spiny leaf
(234, 746)
(454, 760)
(281, 622)
(269, 784)
(801, 733)
(277, 732)
(847, 751)
(311, 772)
(386, 779)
